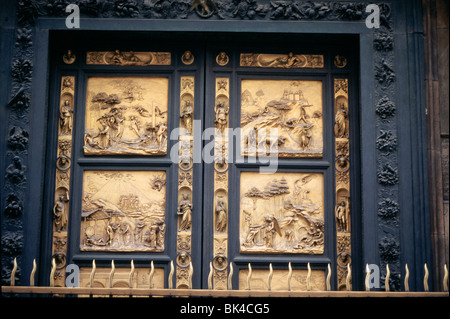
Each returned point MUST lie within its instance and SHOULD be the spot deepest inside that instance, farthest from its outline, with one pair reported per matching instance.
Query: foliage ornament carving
(383, 41)
(12, 243)
(385, 108)
(18, 139)
(384, 73)
(388, 209)
(29, 10)
(387, 141)
(387, 174)
(387, 148)
(14, 206)
(389, 249)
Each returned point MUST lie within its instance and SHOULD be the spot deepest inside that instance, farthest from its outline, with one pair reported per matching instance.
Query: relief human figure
(116, 123)
(185, 211)
(161, 233)
(162, 134)
(114, 237)
(340, 122)
(103, 133)
(109, 234)
(221, 158)
(342, 216)
(60, 213)
(138, 232)
(287, 62)
(305, 136)
(253, 231)
(270, 226)
(186, 115)
(221, 217)
(153, 235)
(125, 234)
(221, 112)
(65, 115)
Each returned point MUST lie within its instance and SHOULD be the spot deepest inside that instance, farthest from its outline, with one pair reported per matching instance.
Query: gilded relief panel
(283, 213)
(284, 61)
(259, 280)
(121, 278)
(123, 211)
(118, 57)
(281, 117)
(126, 116)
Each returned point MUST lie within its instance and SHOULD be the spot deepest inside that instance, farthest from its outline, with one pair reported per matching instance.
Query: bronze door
(197, 165)
(278, 193)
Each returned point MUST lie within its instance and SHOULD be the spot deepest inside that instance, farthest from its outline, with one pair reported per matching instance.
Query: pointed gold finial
(210, 276)
(366, 281)
(111, 274)
(33, 272)
(52, 273)
(308, 279)
(130, 276)
(150, 276)
(91, 277)
(425, 278)
(230, 276)
(386, 280)
(406, 278)
(191, 272)
(269, 278)
(13, 272)
(249, 276)
(445, 283)
(348, 284)
(289, 276)
(170, 281)
(329, 278)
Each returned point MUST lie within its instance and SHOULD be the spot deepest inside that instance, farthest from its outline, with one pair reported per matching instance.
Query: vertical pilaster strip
(62, 177)
(185, 180)
(342, 181)
(220, 204)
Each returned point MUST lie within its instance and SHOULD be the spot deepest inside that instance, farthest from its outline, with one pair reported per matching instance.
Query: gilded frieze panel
(279, 281)
(284, 61)
(123, 211)
(342, 177)
(126, 116)
(282, 213)
(281, 117)
(185, 207)
(221, 162)
(60, 210)
(121, 277)
(118, 57)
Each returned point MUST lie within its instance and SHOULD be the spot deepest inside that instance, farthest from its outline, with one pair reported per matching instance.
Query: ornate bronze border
(62, 178)
(220, 206)
(342, 181)
(118, 57)
(185, 180)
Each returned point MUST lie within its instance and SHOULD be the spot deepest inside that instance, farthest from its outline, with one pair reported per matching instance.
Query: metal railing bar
(209, 293)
